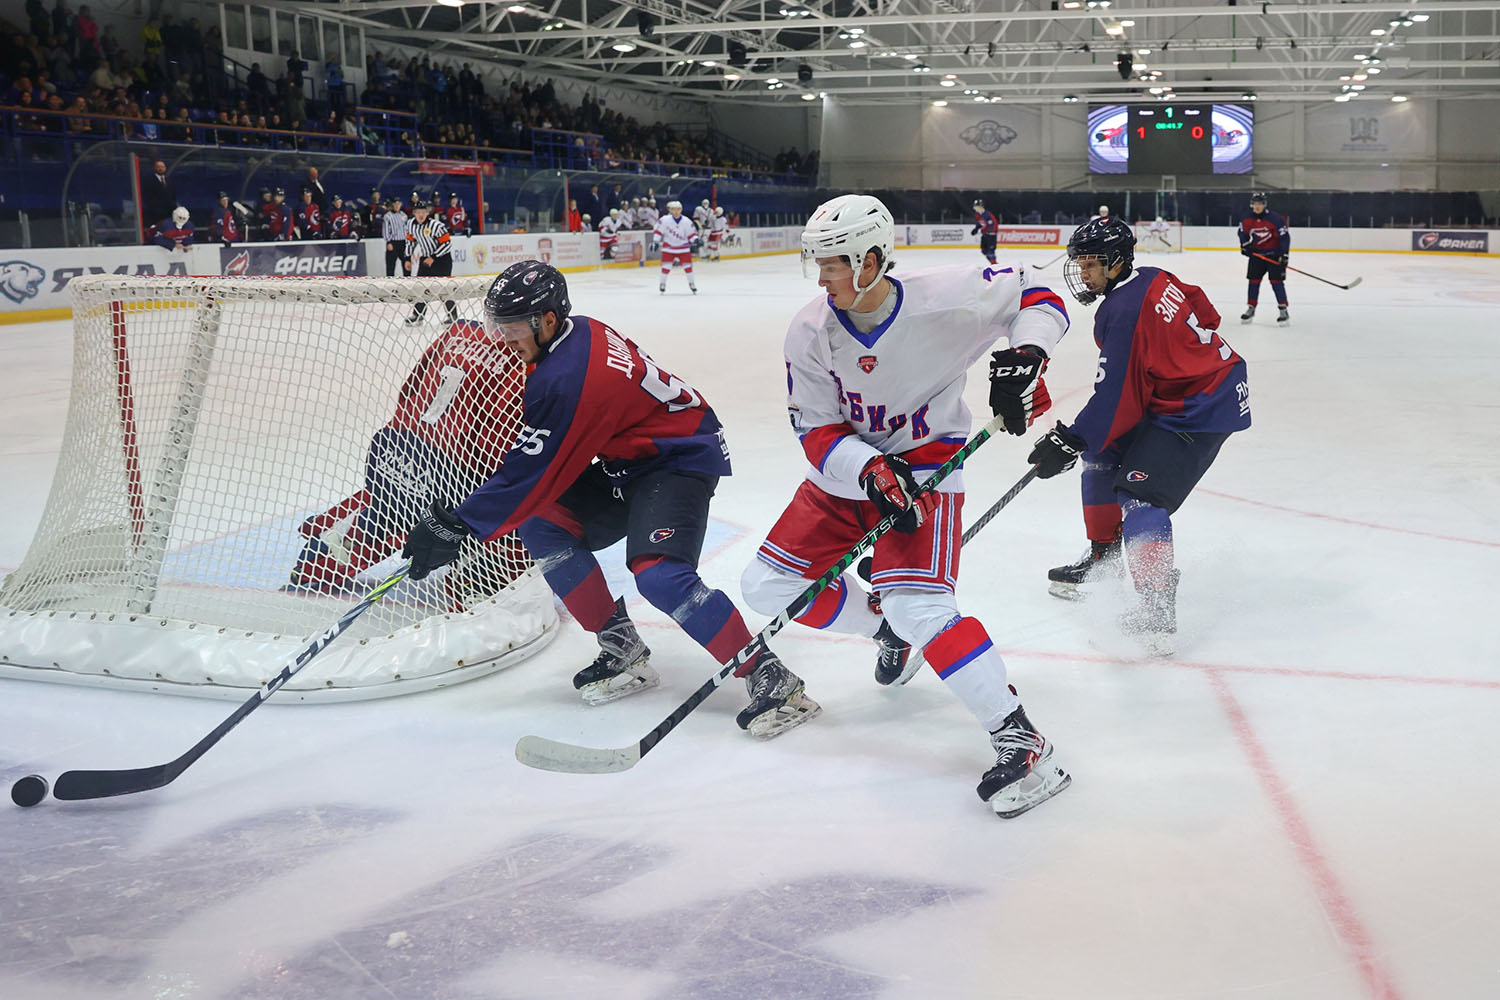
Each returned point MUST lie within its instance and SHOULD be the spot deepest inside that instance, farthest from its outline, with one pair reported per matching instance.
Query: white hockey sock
(971, 667)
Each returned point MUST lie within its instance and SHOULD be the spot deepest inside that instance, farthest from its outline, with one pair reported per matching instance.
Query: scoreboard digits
(1171, 139)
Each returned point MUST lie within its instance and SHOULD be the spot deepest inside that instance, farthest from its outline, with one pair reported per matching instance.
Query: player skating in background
(1102, 214)
(456, 415)
(676, 237)
(876, 368)
(593, 394)
(1168, 392)
(988, 227)
(1264, 234)
(718, 232)
(609, 234)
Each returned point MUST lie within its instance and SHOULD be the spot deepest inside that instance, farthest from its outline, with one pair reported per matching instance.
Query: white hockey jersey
(719, 228)
(608, 230)
(648, 216)
(701, 216)
(898, 390)
(627, 218)
(675, 235)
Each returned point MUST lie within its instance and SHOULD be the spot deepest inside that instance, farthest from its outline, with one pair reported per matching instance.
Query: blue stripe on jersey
(868, 339)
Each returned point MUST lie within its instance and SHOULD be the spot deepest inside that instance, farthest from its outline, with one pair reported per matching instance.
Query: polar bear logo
(19, 280)
(988, 136)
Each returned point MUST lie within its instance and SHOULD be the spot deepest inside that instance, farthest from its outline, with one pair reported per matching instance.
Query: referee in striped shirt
(393, 231)
(429, 254)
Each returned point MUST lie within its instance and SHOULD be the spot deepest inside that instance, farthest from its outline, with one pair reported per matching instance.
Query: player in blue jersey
(660, 450)
(987, 226)
(1167, 394)
(1264, 239)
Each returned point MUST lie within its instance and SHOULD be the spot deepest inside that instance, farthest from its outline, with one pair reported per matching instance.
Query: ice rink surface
(1303, 804)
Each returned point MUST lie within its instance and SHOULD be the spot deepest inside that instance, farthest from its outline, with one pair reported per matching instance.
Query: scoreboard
(1170, 138)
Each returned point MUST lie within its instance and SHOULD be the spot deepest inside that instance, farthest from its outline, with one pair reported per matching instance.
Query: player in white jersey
(718, 231)
(1103, 214)
(648, 214)
(702, 216)
(875, 377)
(1158, 235)
(677, 238)
(609, 234)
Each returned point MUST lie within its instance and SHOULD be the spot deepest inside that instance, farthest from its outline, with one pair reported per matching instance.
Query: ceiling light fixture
(451, 3)
(940, 103)
(623, 47)
(516, 8)
(1398, 98)
(857, 44)
(809, 97)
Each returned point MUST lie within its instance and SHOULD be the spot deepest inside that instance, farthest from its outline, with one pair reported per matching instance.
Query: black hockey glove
(1056, 451)
(1281, 260)
(974, 230)
(434, 541)
(696, 245)
(893, 490)
(1017, 391)
(1245, 252)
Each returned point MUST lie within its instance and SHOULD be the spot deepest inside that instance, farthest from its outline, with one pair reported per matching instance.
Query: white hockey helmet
(849, 226)
(718, 210)
(1103, 209)
(179, 215)
(614, 213)
(674, 204)
(705, 202)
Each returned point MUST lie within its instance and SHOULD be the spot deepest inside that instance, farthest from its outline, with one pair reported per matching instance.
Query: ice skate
(1153, 618)
(1101, 557)
(623, 665)
(1282, 319)
(414, 319)
(1024, 775)
(893, 657)
(662, 288)
(694, 289)
(777, 701)
(1247, 315)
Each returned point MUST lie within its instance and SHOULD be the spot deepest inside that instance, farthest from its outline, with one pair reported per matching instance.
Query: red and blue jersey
(1161, 359)
(225, 226)
(593, 395)
(1265, 234)
(986, 223)
(169, 233)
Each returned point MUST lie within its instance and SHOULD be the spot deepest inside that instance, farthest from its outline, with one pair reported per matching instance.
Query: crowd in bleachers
(169, 85)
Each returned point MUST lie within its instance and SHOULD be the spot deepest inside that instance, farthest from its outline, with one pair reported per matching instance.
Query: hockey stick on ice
(551, 755)
(915, 661)
(103, 784)
(1305, 274)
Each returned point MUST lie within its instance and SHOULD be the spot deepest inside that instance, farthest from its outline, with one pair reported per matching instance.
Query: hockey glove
(434, 541)
(1245, 252)
(974, 230)
(894, 492)
(1017, 391)
(1056, 451)
(655, 247)
(696, 245)
(1281, 260)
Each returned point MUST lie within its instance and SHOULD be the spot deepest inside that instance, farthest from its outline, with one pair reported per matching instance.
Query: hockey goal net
(241, 460)
(1158, 237)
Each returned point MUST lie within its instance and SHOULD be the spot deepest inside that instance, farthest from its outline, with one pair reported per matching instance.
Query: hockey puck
(28, 791)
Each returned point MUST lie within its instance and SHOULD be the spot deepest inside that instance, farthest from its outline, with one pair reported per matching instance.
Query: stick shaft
(1306, 274)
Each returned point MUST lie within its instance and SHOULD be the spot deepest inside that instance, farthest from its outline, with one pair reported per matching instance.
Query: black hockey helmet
(978, 203)
(526, 291)
(1108, 239)
(416, 202)
(223, 195)
(1257, 197)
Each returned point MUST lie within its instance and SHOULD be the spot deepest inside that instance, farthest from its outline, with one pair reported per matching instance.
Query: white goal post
(1162, 236)
(241, 459)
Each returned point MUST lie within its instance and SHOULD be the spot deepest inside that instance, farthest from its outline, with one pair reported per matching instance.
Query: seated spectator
(181, 128)
(147, 128)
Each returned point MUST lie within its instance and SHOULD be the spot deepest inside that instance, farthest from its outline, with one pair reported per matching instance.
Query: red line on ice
(1336, 903)
(1350, 520)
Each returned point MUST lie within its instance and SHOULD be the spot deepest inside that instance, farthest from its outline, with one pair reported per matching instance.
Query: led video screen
(1171, 138)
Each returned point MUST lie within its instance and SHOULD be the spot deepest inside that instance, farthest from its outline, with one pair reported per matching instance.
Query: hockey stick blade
(551, 755)
(76, 785)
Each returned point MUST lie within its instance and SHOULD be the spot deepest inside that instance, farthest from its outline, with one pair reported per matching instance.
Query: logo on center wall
(1364, 129)
(867, 363)
(989, 135)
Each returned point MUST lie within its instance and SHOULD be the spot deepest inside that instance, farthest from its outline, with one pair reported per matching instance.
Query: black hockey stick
(103, 784)
(1314, 277)
(914, 663)
(551, 755)
(1054, 260)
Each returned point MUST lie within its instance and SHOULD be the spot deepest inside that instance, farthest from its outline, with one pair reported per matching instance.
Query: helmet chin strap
(859, 292)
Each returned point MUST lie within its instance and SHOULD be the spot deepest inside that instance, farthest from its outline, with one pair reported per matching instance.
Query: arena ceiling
(903, 51)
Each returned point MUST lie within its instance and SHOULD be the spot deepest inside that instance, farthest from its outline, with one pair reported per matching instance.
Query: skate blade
(798, 709)
(614, 688)
(1067, 591)
(1036, 788)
